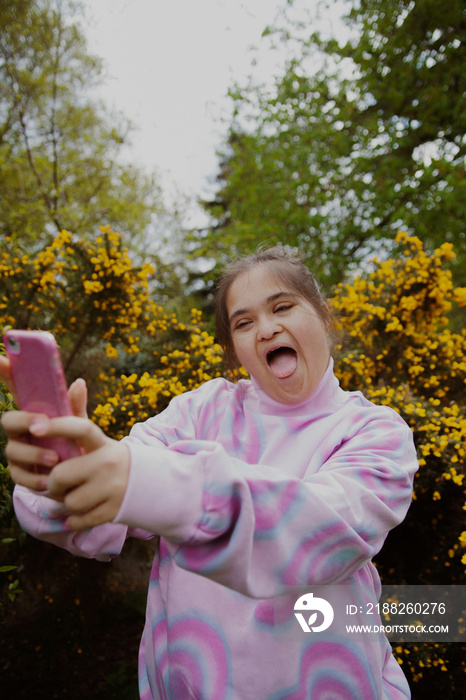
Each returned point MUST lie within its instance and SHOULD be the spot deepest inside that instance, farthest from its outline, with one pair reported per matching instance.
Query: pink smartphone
(40, 384)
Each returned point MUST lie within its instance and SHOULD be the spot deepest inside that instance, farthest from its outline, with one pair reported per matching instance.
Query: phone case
(40, 384)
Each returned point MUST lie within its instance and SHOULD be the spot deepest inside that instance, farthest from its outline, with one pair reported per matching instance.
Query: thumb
(77, 394)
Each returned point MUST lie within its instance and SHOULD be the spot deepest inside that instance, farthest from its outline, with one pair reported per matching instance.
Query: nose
(268, 327)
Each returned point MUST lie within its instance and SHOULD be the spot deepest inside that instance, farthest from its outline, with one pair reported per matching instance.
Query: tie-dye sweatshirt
(251, 498)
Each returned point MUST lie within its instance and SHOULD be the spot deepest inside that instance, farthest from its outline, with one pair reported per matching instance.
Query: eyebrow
(269, 300)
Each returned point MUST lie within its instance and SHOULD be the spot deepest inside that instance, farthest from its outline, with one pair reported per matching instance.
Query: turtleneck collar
(324, 399)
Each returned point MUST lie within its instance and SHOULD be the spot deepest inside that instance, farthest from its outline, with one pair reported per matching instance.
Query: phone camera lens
(13, 344)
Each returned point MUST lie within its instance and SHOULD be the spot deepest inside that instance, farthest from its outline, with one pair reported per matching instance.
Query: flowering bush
(396, 319)
(400, 351)
(86, 293)
(180, 364)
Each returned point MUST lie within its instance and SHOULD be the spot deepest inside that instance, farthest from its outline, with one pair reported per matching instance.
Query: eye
(283, 307)
(244, 323)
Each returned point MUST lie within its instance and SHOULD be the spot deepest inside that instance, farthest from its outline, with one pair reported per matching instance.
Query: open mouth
(282, 361)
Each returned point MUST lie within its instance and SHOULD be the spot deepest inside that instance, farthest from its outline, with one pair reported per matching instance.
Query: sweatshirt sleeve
(44, 518)
(257, 530)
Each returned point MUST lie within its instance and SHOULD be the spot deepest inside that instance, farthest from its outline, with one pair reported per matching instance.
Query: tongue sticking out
(282, 362)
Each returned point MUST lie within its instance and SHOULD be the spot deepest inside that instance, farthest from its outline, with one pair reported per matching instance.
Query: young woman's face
(277, 335)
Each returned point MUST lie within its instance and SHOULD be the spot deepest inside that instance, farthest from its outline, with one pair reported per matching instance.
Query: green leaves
(5, 569)
(59, 149)
(355, 142)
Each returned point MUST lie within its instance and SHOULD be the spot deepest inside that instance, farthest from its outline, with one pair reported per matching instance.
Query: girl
(254, 488)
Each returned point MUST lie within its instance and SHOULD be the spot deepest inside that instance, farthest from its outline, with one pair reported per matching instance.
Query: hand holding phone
(39, 384)
(91, 487)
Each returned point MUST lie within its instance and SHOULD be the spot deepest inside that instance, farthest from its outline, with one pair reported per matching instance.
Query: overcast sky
(170, 64)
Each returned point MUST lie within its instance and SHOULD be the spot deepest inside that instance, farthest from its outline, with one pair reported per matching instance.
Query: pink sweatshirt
(250, 498)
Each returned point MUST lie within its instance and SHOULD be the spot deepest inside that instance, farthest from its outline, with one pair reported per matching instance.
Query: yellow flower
(111, 351)
(459, 295)
(92, 287)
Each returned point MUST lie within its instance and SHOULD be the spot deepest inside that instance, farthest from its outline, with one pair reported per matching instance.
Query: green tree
(59, 148)
(355, 141)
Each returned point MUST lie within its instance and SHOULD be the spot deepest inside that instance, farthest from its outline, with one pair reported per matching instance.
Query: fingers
(18, 423)
(97, 516)
(84, 482)
(22, 454)
(80, 430)
(77, 394)
(23, 458)
(92, 487)
(74, 483)
(22, 477)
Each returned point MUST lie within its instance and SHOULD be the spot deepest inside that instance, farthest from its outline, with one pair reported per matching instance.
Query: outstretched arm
(90, 486)
(257, 510)
(255, 528)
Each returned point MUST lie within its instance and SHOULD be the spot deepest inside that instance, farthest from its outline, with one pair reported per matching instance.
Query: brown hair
(290, 270)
